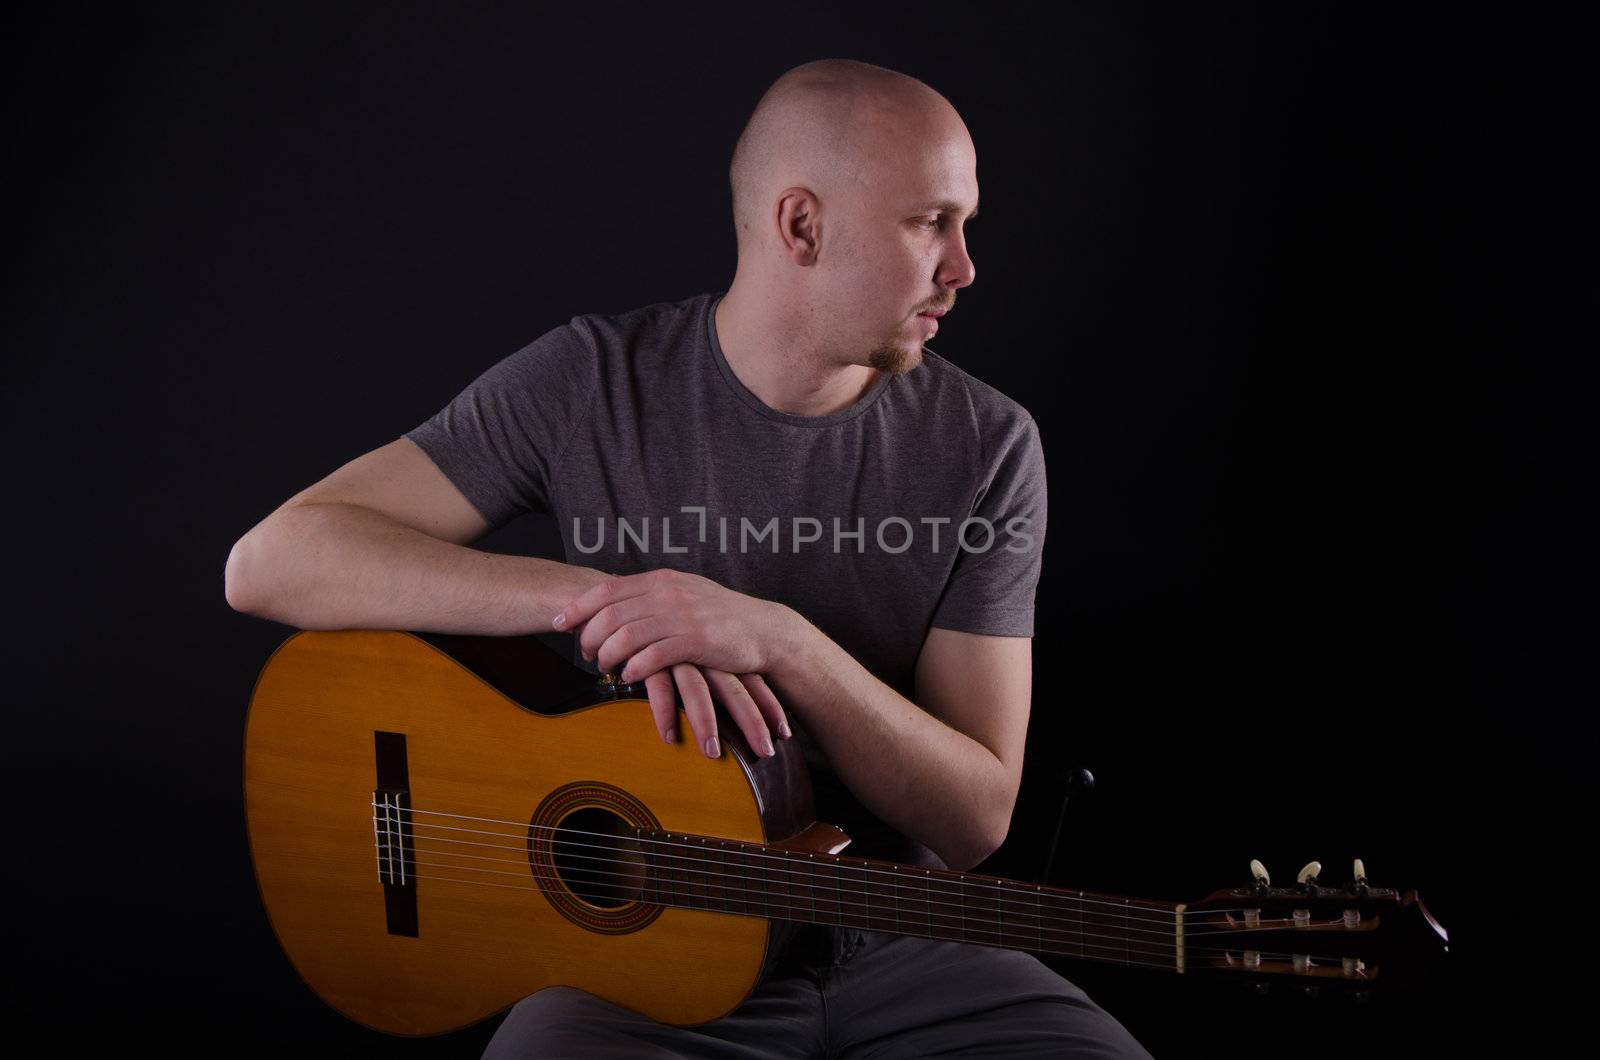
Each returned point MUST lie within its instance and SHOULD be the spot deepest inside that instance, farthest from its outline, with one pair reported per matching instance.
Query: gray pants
(846, 994)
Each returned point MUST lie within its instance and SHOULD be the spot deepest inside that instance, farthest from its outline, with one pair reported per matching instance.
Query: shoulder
(571, 359)
(658, 324)
(998, 423)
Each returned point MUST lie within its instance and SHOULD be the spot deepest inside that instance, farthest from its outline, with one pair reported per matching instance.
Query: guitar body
(465, 911)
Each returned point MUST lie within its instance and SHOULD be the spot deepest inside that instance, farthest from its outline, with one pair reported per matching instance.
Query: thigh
(778, 1019)
(911, 997)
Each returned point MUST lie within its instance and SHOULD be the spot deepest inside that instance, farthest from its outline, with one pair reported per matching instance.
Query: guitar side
(467, 915)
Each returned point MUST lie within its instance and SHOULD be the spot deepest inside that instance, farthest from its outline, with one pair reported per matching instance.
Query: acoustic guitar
(441, 825)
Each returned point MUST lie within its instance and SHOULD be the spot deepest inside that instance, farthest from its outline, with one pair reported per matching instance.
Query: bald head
(831, 126)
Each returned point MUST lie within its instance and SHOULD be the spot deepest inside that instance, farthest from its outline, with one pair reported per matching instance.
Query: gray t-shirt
(922, 504)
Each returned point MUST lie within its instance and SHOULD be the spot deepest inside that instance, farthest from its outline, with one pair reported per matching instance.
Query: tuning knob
(1310, 873)
(1259, 871)
(1359, 878)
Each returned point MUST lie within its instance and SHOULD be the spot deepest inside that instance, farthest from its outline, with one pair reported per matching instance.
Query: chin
(896, 360)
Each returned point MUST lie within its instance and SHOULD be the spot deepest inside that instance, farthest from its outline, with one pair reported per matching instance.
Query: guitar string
(518, 887)
(990, 936)
(1122, 949)
(1167, 917)
(1163, 915)
(907, 881)
(1016, 887)
(1198, 927)
(901, 879)
(840, 900)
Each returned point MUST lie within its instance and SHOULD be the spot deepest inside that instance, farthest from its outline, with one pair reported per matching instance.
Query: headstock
(1309, 935)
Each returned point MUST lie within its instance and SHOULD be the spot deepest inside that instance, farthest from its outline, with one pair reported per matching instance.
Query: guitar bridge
(392, 831)
(391, 825)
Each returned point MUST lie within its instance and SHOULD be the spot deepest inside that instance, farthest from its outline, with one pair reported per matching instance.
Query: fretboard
(750, 879)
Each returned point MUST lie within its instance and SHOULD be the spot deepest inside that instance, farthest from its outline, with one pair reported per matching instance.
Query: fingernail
(783, 730)
(766, 746)
(670, 737)
(713, 749)
(559, 621)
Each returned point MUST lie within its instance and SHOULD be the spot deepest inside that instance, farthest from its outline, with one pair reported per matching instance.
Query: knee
(545, 1024)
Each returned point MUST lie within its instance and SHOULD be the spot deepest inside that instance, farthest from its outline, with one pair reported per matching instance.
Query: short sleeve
(991, 590)
(500, 440)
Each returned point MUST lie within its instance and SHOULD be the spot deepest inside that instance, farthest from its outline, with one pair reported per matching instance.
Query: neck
(781, 365)
(753, 879)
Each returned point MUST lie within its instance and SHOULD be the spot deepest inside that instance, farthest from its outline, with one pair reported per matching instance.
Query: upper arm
(981, 686)
(401, 481)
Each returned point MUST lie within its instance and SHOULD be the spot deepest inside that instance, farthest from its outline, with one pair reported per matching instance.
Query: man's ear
(799, 224)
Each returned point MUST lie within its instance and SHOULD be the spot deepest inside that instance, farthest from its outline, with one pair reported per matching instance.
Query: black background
(1278, 288)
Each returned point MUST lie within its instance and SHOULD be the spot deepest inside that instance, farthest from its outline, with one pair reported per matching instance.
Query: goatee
(895, 360)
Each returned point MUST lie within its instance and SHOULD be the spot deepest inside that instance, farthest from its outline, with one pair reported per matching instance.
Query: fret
(850, 881)
(775, 886)
(878, 888)
(944, 908)
(671, 888)
(650, 890)
(827, 892)
(1038, 916)
(1019, 926)
(1127, 908)
(802, 898)
(754, 881)
(734, 885)
(771, 886)
(927, 904)
(712, 886)
(980, 910)
(1077, 926)
(878, 912)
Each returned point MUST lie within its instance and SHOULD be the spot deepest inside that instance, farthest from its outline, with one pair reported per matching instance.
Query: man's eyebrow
(946, 206)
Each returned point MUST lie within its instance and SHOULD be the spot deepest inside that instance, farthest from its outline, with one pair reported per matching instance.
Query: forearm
(328, 565)
(919, 775)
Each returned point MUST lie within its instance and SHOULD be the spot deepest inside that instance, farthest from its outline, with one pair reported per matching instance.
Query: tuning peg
(1310, 873)
(1359, 878)
(1259, 871)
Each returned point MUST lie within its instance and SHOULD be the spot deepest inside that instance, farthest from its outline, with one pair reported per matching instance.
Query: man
(847, 536)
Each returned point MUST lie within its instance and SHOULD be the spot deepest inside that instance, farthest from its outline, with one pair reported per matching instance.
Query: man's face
(905, 246)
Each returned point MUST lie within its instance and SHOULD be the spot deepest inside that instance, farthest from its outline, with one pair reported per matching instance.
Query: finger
(595, 597)
(742, 709)
(663, 705)
(658, 656)
(697, 704)
(767, 700)
(606, 622)
(633, 637)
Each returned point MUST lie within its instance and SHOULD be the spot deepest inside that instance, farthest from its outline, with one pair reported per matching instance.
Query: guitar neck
(753, 879)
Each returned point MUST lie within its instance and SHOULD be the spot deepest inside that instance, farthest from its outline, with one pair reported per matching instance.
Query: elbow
(978, 844)
(241, 575)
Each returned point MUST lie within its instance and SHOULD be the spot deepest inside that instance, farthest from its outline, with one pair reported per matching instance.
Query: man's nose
(957, 269)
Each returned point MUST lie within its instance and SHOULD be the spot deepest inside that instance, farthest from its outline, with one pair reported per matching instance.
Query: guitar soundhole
(583, 851)
(598, 859)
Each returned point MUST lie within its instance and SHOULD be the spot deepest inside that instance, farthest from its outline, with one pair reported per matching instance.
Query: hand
(668, 626)
(748, 699)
